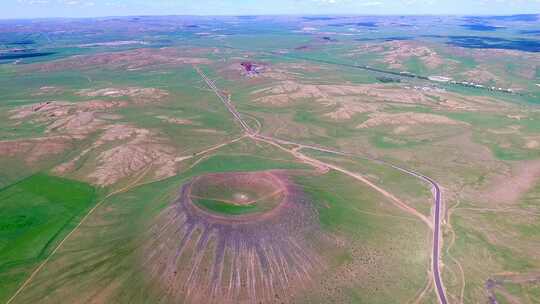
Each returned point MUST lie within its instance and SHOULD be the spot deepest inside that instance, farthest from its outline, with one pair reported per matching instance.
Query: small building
(440, 78)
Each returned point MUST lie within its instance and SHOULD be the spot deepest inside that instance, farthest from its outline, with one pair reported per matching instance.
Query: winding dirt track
(436, 189)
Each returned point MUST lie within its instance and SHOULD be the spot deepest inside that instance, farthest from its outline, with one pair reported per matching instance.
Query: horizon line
(269, 15)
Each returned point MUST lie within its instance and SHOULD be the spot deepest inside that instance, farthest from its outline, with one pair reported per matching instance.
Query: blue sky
(87, 8)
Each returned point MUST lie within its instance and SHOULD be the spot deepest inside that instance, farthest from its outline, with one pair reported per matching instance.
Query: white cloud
(371, 3)
(77, 2)
(32, 2)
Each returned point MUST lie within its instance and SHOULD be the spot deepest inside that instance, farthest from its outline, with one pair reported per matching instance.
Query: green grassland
(383, 254)
(406, 187)
(107, 244)
(227, 208)
(527, 292)
(498, 241)
(509, 146)
(35, 214)
(219, 197)
(354, 211)
(122, 217)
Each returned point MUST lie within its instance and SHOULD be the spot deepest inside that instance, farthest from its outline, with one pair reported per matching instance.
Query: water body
(22, 42)
(478, 42)
(21, 55)
(246, 17)
(386, 39)
(480, 27)
(367, 24)
(322, 18)
(530, 32)
(358, 24)
(520, 17)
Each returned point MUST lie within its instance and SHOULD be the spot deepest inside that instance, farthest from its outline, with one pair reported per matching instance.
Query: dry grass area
(120, 151)
(492, 62)
(143, 148)
(496, 287)
(406, 118)
(481, 75)
(51, 108)
(532, 143)
(33, 150)
(174, 120)
(508, 187)
(347, 107)
(453, 101)
(397, 52)
(125, 60)
(63, 121)
(527, 61)
(267, 71)
(287, 92)
(345, 101)
(489, 64)
(137, 94)
(284, 125)
(48, 90)
(73, 119)
(82, 118)
(78, 124)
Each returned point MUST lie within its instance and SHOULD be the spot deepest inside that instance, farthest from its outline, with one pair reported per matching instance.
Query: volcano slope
(232, 238)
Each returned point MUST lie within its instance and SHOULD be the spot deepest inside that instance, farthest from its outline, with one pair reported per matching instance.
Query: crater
(235, 238)
(237, 194)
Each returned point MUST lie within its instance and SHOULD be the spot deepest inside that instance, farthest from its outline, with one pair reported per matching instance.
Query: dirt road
(435, 225)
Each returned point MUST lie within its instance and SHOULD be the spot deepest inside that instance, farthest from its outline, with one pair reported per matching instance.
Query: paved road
(435, 186)
(436, 244)
(436, 256)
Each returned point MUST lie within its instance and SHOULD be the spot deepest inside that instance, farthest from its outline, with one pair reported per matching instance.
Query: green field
(228, 208)
(35, 214)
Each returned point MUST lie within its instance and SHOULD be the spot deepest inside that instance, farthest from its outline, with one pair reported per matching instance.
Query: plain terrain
(101, 125)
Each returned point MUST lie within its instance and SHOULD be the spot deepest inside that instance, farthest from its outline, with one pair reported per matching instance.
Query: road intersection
(436, 189)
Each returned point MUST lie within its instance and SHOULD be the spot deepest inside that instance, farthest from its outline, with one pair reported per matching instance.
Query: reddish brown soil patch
(74, 119)
(48, 90)
(367, 97)
(481, 75)
(199, 257)
(131, 158)
(256, 72)
(287, 92)
(508, 188)
(348, 107)
(49, 108)
(137, 94)
(138, 149)
(124, 151)
(406, 118)
(33, 150)
(82, 118)
(397, 52)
